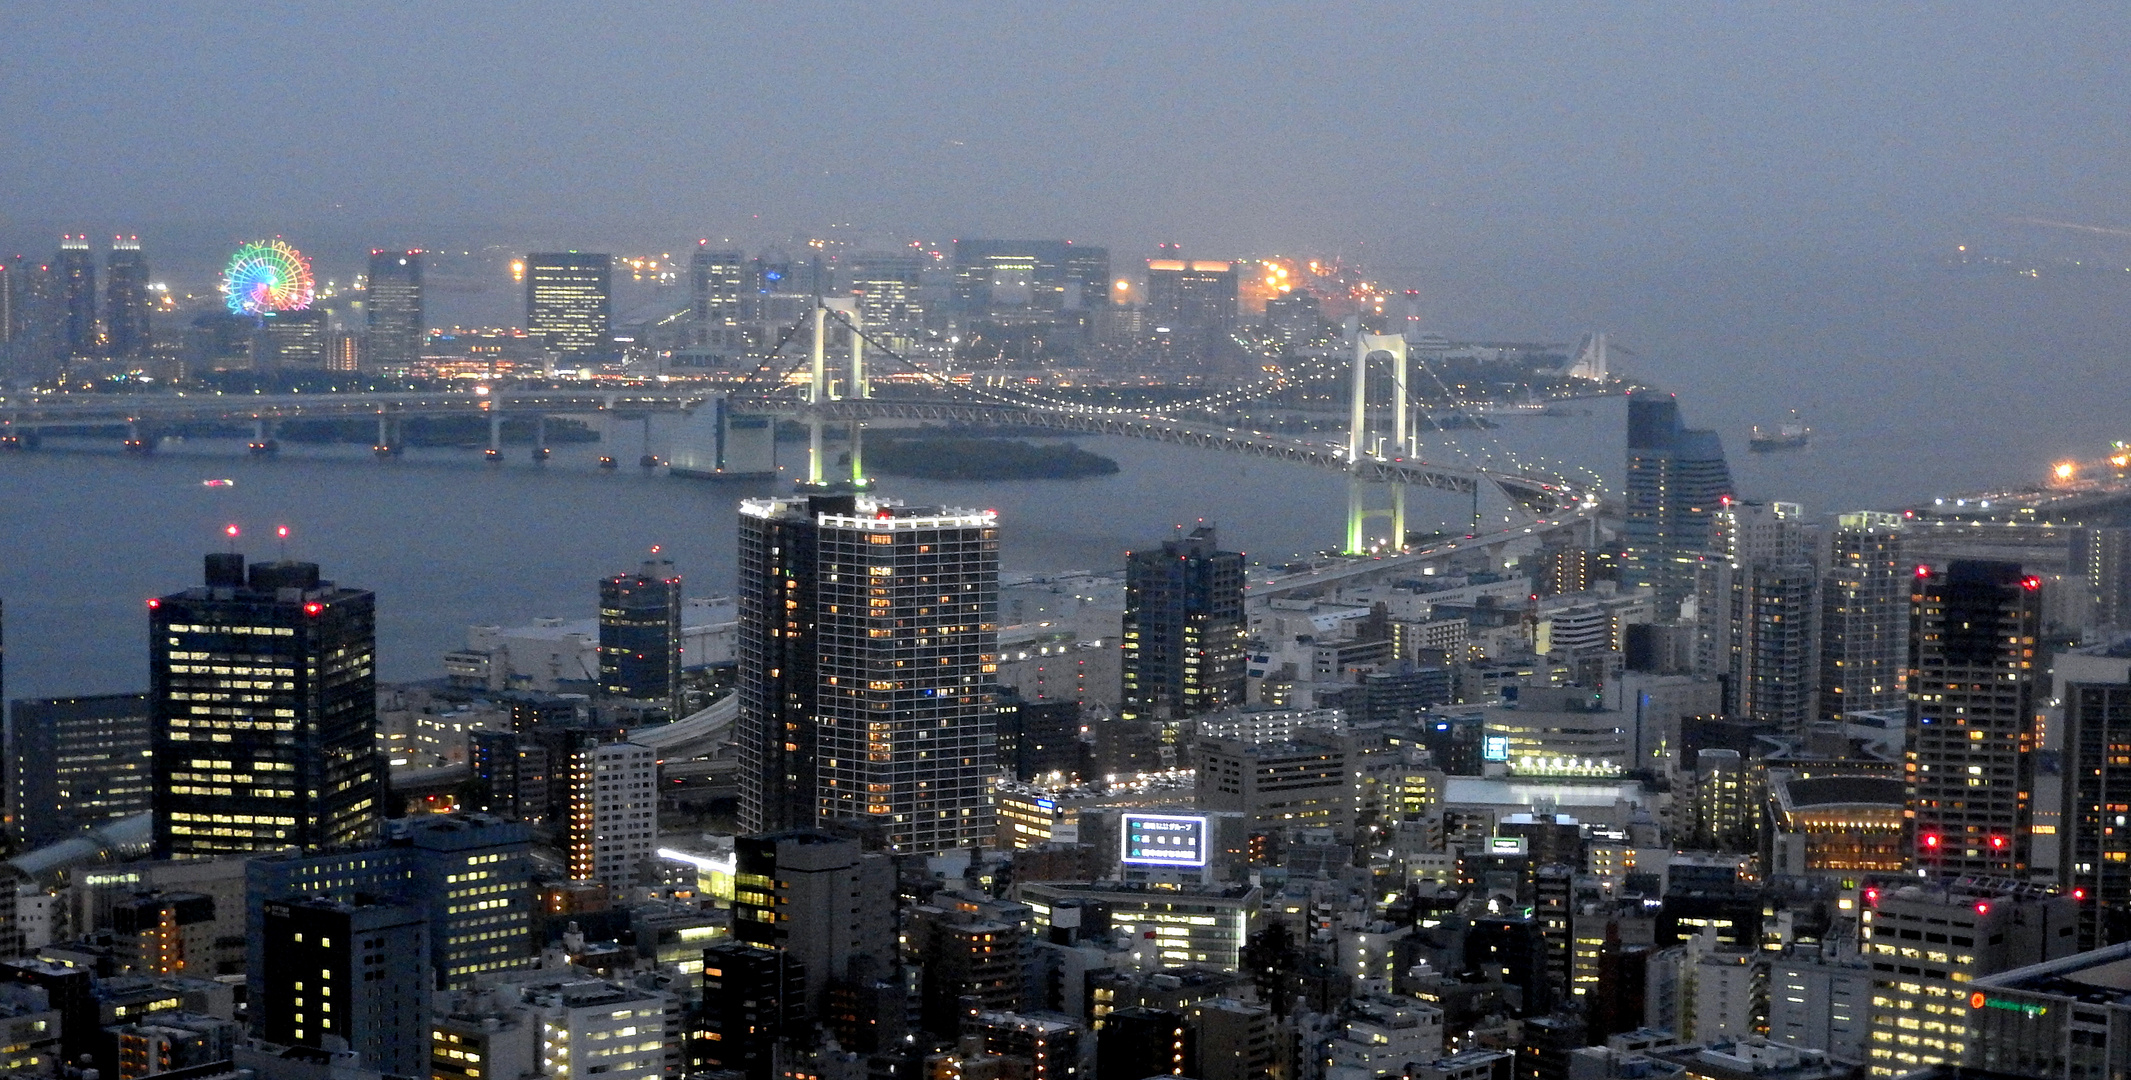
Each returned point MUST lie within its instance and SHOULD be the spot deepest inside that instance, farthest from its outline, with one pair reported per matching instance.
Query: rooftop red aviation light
(153, 602)
(1922, 570)
(313, 608)
(2031, 583)
(1931, 840)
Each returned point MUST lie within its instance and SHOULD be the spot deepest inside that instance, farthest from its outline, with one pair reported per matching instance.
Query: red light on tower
(1982, 907)
(230, 531)
(1997, 841)
(1931, 840)
(1923, 571)
(154, 603)
(2079, 894)
(313, 608)
(2031, 583)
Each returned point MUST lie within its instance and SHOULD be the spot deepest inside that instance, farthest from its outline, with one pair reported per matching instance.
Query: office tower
(718, 279)
(291, 340)
(1039, 738)
(2067, 1018)
(1195, 298)
(1000, 276)
(1677, 480)
(75, 266)
(1864, 617)
(1928, 944)
(2094, 686)
(640, 637)
(613, 827)
(350, 974)
(868, 643)
(594, 1028)
(1183, 630)
(1724, 803)
(469, 875)
(753, 997)
(569, 300)
(12, 281)
(76, 763)
(821, 900)
(1758, 601)
(263, 701)
(2101, 563)
(1972, 736)
(393, 308)
(126, 300)
(888, 286)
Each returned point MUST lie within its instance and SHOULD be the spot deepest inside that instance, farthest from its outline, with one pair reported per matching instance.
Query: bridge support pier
(1356, 516)
(495, 434)
(388, 437)
(540, 437)
(138, 440)
(649, 460)
(263, 441)
(606, 434)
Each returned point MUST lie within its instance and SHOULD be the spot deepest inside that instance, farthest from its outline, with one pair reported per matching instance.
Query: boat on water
(218, 483)
(1792, 434)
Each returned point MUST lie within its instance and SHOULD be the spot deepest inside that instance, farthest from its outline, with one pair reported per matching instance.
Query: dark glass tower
(640, 636)
(1184, 629)
(868, 646)
(126, 300)
(352, 974)
(1971, 767)
(76, 268)
(1677, 480)
(392, 306)
(2097, 779)
(569, 299)
(263, 701)
(76, 763)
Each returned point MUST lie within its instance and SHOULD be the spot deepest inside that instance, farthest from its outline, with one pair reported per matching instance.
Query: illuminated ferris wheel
(267, 276)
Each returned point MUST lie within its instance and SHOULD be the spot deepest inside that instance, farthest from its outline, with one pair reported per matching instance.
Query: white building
(614, 813)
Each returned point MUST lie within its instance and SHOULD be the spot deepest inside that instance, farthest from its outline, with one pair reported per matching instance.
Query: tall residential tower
(1677, 479)
(868, 645)
(1184, 630)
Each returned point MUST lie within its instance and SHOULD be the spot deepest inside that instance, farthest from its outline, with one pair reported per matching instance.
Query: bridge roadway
(1539, 495)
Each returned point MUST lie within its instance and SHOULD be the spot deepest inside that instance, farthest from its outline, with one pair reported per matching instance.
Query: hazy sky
(1554, 130)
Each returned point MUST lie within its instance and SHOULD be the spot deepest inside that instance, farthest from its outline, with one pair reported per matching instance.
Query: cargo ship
(1792, 434)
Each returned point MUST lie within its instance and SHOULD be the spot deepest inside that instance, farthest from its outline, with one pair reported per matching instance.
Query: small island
(950, 458)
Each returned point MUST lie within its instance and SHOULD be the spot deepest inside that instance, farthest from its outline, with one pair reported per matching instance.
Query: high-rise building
(292, 340)
(1928, 944)
(613, 827)
(888, 286)
(2094, 686)
(76, 763)
(1001, 276)
(640, 636)
(469, 875)
(868, 646)
(2101, 563)
(392, 308)
(718, 278)
(1762, 612)
(127, 303)
(1864, 617)
(569, 299)
(1677, 480)
(1973, 630)
(819, 899)
(1184, 630)
(263, 700)
(75, 266)
(1191, 298)
(350, 974)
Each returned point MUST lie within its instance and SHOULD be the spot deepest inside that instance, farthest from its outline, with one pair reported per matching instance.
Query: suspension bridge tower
(1365, 443)
(823, 387)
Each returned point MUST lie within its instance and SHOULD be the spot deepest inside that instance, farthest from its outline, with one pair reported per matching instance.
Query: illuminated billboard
(1495, 748)
(1163, 840)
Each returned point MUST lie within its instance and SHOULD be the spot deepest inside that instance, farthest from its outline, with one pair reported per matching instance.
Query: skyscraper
(569, 299)
(1184, 629)
(1864, 617)
(1038, 275)
(76, 763)
(1677, 479)
(1766, 599)
(291, 340)
(1971, 740)
(718, 280)
(264, 705)
(392, 306)
(613, 825)
(2094, 684)
(868, 643)
(1197, 297)
(126, 300)
(76, 267)
(2100, 562)
(640, 636)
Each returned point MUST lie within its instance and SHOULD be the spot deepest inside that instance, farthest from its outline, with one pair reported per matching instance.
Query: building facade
(868, 646)
(393, 308)
(640, 636)
(569, 300)
(76, 763)
(263, 706)
(1677, 480)
(1184, 630)
(1864, 617)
